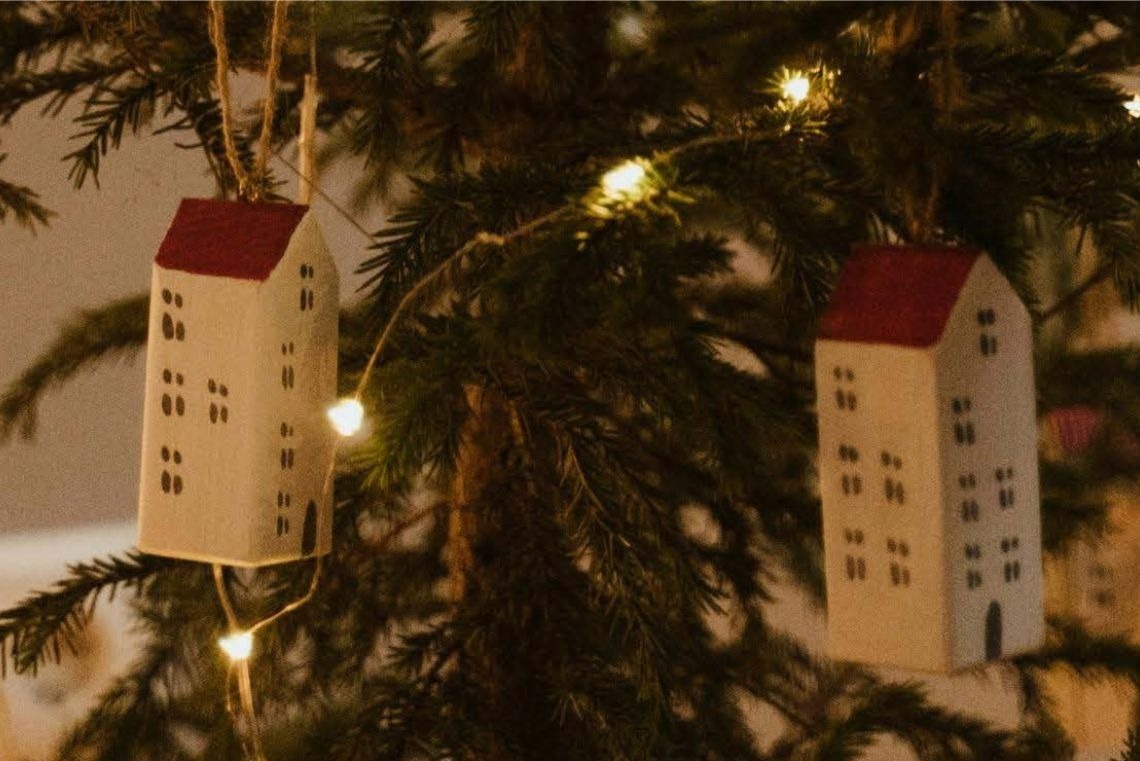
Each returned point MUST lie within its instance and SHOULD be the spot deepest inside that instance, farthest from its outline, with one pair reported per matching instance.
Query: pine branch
(120, 327)
(22, 203)
(42, 624)
(110, 112)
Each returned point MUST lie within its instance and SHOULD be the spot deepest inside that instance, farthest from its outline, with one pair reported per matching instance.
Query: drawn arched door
(993, 632)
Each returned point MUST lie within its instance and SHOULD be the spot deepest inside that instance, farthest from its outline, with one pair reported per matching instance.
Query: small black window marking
(963, 427)
(304, 301)
(846, 484)
(310, 299)
(170, 481)
(900, 572)
(862, 564)
(180, 406)
(167, 405)
(218, 410)
(180, 331)
(857, 485)
(166, 295)
(283, 350)
(290, 347)
(179, 379)
(844, 397)
(167, 327)
(885, 458)
(178, 300)
(850, 568)
(166, 376)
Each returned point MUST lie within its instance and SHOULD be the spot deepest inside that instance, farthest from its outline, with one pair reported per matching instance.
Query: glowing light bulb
(795, 87)
(624, 181)
(346, 416)
(237, 645)
(1133, 106)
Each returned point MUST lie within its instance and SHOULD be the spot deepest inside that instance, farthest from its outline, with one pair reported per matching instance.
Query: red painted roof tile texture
(228, 238)
(900, 295)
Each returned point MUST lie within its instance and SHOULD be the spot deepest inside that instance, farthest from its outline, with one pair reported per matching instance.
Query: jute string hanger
(250, 184)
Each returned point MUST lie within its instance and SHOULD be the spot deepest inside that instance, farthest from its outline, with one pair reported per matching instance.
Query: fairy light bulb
(237, 645)
(1133, 106)
(346, 416)
(625, 181)
(796, 87)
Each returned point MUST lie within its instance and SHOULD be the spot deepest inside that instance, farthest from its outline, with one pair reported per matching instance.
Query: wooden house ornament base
(928, 462)
(241, 366)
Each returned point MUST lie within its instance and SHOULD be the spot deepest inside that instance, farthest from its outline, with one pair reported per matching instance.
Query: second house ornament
(928, 462)
(241, 366)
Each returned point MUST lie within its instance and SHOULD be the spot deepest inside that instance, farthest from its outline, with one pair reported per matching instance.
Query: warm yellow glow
(346, 416)
(237, 646)
(795, 87)
(1133, 106)
(624, 181)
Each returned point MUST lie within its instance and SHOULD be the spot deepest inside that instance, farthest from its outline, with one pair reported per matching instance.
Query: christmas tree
(591, 462)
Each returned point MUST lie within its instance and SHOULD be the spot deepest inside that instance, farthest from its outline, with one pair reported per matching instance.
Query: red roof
(228, 238)
(896, 294)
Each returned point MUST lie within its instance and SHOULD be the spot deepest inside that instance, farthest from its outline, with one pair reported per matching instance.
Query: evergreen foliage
(562, 536)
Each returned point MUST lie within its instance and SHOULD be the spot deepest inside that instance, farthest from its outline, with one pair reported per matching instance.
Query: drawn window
(963, 426)
(971, 513)
(899, 551)
(170, 481)
(287, 452)
(851, 481)
(893, 488)
(855, 563)
(1006, 494)
(845, 398)
(987, 342)
(1011, 567)
(219, 410)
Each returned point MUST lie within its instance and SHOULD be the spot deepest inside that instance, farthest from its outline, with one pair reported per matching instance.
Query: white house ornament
(928, 462)
(241, 366)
